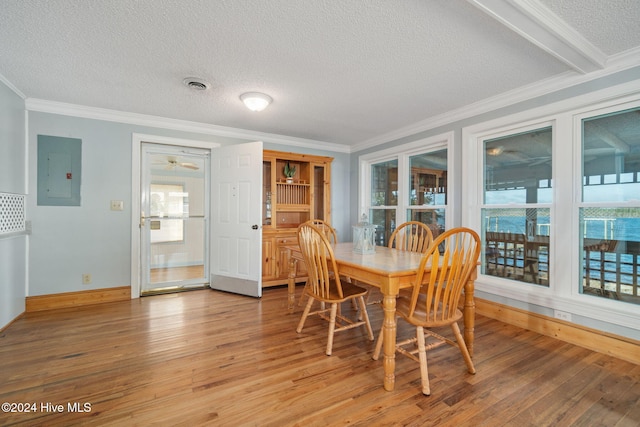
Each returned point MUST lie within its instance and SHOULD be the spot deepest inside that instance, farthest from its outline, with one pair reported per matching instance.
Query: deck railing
(610, 268)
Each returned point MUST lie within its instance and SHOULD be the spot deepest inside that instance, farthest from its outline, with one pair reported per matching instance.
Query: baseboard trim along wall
(602, 342)
(76, 299)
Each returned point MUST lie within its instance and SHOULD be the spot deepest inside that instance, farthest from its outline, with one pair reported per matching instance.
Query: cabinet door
(269, 270)
(321, 192)
(282, 254)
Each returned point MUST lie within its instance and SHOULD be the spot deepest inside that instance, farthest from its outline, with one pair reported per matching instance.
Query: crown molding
(536, 23)
(73, 110)
(10, 85)
(615, 64)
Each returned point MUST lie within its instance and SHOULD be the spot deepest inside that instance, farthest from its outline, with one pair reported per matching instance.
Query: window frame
(563, 292)
(482, 203)
(402, 153)
(595, 111)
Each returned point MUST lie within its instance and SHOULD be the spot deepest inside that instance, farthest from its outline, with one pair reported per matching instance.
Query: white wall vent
(12, 213)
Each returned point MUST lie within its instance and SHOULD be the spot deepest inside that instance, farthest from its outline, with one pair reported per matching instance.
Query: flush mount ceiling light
(495, 151)
(256, 101)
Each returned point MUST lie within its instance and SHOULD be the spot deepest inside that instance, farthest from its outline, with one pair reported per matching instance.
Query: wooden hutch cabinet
(285, 205)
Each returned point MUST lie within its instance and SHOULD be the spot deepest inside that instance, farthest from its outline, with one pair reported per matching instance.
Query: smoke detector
(196, 83)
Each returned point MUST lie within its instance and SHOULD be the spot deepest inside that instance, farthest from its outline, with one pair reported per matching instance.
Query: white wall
(67, 242)
(13, 249)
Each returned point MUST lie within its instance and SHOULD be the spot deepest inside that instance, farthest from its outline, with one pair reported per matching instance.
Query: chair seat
(403, 304)
(349, 291)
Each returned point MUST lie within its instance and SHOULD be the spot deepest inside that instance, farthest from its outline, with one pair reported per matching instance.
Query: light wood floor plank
(212, 358)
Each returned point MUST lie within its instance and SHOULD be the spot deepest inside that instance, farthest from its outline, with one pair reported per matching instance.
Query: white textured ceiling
(343, 72)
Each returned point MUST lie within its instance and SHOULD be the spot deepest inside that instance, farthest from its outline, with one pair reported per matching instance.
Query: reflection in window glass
(611, 157)
(384, 183)
(517, 168)
(434, 218)
(516, 244)
(517, 171)
(610, 237)
(421, 176)
(385, 221)
(610, 242)
(427, 178)
(384, 193)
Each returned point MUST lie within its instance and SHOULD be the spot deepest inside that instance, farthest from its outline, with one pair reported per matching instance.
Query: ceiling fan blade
(190, 166)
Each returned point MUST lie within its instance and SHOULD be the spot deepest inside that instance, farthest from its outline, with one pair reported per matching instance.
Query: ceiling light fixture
(495, 151)
(256, 101)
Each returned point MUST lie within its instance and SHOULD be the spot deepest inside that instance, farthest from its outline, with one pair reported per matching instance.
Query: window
(554, 193)
(609, 215)
(169, 204)
(384, 199)
(407, 183)
(428, 189)
(517, 191)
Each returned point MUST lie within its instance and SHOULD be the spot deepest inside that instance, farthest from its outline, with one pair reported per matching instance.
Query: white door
(236, 218)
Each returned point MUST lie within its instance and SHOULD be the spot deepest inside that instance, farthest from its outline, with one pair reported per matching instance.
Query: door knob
(254, 227)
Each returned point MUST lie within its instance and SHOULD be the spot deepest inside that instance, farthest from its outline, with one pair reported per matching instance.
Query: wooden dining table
(389, 270)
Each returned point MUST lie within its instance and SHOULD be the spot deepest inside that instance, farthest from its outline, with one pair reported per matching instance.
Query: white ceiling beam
(535, 22)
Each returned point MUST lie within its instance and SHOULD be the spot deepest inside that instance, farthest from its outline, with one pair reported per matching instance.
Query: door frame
(136, 170)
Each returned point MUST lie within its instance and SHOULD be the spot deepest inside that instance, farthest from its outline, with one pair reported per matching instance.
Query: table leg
(291, 284)
(469, 315)
(389, 328)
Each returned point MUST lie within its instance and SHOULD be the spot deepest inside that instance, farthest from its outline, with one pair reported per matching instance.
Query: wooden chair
(326, 229)
(331, 235)
(413, 236)
(435, 303)
(324, 285)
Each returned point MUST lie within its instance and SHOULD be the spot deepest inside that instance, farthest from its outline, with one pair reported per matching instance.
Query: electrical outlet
(86, 279)
(117, 205)
(562, 315)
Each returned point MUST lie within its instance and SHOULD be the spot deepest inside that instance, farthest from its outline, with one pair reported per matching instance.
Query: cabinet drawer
(287, 241)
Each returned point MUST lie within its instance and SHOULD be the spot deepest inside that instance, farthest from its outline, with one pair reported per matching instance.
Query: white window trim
(473, 162)
(402, 154)
(566, 116)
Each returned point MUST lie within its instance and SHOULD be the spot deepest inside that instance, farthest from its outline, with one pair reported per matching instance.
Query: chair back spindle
(456, 252)
(326, 229)
(321, 266)
(413, 236)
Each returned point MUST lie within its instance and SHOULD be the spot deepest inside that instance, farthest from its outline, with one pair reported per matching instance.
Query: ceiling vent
(196, 83)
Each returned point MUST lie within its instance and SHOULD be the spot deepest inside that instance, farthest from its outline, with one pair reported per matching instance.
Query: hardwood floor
(206, 357)
(176, 273)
